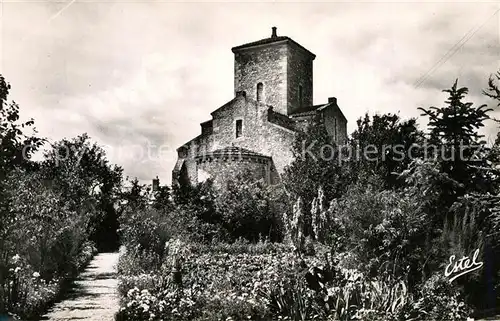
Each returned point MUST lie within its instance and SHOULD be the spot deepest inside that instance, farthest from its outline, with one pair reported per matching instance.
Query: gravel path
(93, 296)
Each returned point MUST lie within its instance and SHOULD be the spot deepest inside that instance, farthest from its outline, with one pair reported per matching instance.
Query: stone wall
(300, 74)
(259, 135)
(267, 65)
(224, 169)
(336, 124)
(264, 132)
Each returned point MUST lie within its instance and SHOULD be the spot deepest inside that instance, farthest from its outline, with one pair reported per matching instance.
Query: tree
(135, 197)
(246, 211)
(16, 146)
(493, 91)
(454, 131)
(89, 184)
(162, 198)
(315, 164)
(391, 138)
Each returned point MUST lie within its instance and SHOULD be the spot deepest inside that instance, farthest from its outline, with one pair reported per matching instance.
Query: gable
(230, 104)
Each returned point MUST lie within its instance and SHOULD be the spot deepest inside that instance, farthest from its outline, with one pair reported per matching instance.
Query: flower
(36, 275)
(16, 258)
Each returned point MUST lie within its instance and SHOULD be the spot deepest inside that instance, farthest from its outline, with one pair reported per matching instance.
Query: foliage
(245, 208)
(79, 170)
(225, 285)
(145, 233)
(263, 281)
(16, 146)
(363, 240)
(391, 138)
(246, 211)
(49, 211)
(316, 163)
(475, 225)
(134, 197)
(493, 91)
(387, 238)
(438, 300)
(45, 239)
(455, 139)
(161, 198)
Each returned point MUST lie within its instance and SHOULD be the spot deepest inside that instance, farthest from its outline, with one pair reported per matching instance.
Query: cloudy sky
(139, 76)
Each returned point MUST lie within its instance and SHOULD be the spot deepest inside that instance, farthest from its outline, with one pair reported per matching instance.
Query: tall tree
(455, 139)
(89, 184)
(16, 145)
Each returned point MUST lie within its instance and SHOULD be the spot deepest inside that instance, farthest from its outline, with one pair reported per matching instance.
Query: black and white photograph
(249, 160)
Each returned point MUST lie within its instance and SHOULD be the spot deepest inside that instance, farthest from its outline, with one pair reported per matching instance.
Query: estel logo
(462, 266)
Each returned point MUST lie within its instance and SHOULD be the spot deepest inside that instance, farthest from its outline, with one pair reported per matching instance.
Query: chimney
(332, 100)
(274, 35)
(156, 184)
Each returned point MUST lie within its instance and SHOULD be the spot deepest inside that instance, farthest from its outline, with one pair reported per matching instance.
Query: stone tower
(255, 130)
(276, 71)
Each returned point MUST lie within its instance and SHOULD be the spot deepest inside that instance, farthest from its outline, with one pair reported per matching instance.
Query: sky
(139, 76)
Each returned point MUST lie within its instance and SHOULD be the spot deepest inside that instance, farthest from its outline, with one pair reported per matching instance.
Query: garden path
(93, 297)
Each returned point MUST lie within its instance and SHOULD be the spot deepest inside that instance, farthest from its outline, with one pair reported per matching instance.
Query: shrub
(385, 230)
(437, 300)
(246, 210)
(42, 244)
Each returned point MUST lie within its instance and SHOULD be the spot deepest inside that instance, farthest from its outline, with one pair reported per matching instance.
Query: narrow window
(239, 128)
(300, 95)
(260, 91)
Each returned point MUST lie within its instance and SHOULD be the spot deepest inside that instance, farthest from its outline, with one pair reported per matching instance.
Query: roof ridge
(271, 40)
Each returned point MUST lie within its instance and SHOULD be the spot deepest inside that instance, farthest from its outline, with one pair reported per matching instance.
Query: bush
(245, 208)
(385, 230)
(42, 244)
(437, 300)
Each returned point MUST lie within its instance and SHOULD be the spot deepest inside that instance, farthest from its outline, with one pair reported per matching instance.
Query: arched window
(260, 91)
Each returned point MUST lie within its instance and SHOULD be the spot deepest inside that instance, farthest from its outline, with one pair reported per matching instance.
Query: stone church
(254, 131)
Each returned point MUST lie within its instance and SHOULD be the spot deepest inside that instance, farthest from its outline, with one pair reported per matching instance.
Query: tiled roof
(270, 40)
(231, 151)
(306, 109)
(264, 41)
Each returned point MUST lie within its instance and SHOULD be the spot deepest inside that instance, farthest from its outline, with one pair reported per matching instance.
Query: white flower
(36, 275)
(16, 258)
(17, 269)
(132, 291)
